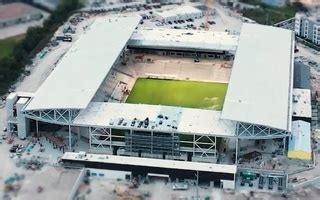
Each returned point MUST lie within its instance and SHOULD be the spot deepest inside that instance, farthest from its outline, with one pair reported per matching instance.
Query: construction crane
(209, 5)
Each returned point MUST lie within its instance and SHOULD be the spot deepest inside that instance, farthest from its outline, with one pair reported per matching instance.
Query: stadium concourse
(84, 100)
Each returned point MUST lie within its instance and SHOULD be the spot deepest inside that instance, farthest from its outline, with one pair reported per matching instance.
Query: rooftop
(260, 87)
(83, 68)
(179, 10)
(13, 10)
(180, 120)
(301, 106)
(301, 76)
(148, 162)
(300, 138)
(184, 39)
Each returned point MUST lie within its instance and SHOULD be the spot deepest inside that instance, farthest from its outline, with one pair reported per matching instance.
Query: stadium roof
(301, 104)
(300, 138)
(149, 162)
(260, 87)
(83, 68)
(179, 39)
(186, 120)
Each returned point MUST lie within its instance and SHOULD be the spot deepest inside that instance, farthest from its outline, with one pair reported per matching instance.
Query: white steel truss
(251, 131)
(152, 143)
(207, 148)
(61, 116)
(100, 138)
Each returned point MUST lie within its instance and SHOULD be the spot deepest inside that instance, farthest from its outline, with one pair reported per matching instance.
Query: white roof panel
(179, 39)
(181, 120)
(149, 162)
(179, 10)
(83, 68)
(260, 87)
(301, 106)
(300, 139)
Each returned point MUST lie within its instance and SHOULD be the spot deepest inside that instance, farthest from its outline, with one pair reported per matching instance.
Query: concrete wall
(10, 102)
(23, 122)
(227, 184)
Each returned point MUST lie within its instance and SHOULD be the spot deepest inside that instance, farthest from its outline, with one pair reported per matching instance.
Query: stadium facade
(257, 106)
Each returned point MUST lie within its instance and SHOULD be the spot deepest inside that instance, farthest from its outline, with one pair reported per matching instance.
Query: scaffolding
(252, 131)
(152, 143)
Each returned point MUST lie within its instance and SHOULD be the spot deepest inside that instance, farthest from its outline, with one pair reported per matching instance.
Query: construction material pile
(123, 193)
(33, 164)
(12, 185)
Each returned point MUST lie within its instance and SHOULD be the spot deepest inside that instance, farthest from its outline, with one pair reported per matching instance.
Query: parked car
(159, 24)
(180, 186)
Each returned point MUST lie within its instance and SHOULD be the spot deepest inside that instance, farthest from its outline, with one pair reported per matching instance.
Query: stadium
(170, 101)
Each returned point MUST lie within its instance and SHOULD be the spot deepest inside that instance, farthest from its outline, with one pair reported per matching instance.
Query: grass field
(7, 45)
(191, 94)
(269, 15)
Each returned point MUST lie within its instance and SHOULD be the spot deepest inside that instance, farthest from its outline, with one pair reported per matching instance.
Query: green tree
(36, 38)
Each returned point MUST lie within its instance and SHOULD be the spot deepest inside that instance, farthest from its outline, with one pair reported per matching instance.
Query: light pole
(197, 192)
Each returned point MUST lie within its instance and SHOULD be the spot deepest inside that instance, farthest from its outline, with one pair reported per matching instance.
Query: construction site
(192, 111)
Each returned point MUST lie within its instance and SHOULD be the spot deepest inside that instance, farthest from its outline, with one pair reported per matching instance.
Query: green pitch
(191, 94)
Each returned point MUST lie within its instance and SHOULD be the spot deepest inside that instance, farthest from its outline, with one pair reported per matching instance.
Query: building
(17, 13)
(179, 13)
(302, 96)
(301, 105)
(157, 138)
(308, 26)
(299, 141)
(144, 166)
(187, 43)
